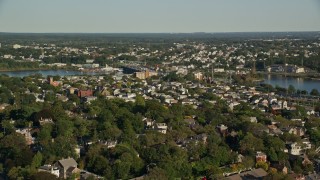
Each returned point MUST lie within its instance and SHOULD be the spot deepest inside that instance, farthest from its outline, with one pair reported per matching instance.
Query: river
(280, 80)
(46, 73)
(297, 82)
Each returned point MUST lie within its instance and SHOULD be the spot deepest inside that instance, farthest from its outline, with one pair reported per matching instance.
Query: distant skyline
(158, 16)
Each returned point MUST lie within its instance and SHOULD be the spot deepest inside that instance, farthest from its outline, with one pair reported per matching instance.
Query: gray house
(65, 164)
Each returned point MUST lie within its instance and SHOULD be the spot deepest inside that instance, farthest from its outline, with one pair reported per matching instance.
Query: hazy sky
(159, 15)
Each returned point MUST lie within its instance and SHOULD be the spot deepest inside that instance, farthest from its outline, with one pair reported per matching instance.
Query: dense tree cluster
(139, 151)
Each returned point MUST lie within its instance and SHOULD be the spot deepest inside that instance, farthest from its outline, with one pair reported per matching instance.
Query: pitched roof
(234, 177)
(258, 173)
(66, 163)
(255, 174)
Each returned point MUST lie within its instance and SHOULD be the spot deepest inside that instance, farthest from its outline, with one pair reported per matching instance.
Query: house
(53, 83)
(161, 127)
(88, 99)
(296, 149)
(62, 98)
(88, 175)
(306, 143)
(306, 161)
(89, 61)
(274, 130)
(198, 75)
(86, 93)
(50, 169)
(72, 170)
(253, 119)
(294, 69)
(240, 158)
(299, 131)
(218, 70)
(311, 112)
(66, 166)
(182, 71)
(296, 176)
(261, 157)
(253, 174)
(26, 132)
(16, 46)
(199, 138)
(189, 121)
(223, 130)
(3, 106)
(90, 66)
(275, 68)
(44, 121)
(140, 75)
(109, 144)
(148, 122)
(105, 92)
(196, 139)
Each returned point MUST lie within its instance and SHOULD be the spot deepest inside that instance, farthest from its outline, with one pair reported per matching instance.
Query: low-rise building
(26, 132)
(261, 157)
(161, 127)
(49, 169)
(66, 167)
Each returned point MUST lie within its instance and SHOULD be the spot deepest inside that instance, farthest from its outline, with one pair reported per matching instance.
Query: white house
(161, 127)
(296, 149)
(16, 46)
(50, 169)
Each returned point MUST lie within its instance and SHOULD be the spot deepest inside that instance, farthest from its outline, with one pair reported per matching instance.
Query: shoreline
(305, 75)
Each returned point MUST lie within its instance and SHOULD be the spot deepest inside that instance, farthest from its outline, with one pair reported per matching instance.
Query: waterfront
(298, 82)
(274, 80)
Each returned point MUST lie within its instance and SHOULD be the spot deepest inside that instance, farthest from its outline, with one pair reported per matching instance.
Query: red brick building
(86, 93)
(260, 156)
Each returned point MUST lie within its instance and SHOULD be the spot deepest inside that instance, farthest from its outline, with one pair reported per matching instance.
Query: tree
(7, 126)
(140, 104)
(304, 92)
(44, 136)
(122, 169)
(251, 143)
(248, 162)
(291, 89)
(156, 173)
(140, 101)
(262, 165)
(314, 92)
(15, 173)
(37, 160)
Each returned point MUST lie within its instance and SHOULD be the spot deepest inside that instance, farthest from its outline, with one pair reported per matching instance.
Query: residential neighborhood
(194, 110)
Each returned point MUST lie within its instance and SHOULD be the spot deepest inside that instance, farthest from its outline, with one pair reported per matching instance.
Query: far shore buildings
(285, 68)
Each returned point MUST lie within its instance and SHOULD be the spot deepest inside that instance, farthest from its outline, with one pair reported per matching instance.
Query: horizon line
(218, 32)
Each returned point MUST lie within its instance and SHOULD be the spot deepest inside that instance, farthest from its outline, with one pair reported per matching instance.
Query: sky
(158, 16)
